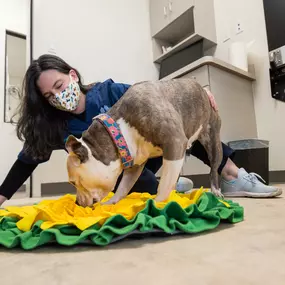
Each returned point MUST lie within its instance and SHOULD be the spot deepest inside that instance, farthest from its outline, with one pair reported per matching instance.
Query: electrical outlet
(239, 27)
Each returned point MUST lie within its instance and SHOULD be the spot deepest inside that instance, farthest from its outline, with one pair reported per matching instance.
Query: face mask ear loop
(76, 83)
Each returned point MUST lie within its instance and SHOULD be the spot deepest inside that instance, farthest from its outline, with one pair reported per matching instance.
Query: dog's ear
(72, 144)
(75, 147)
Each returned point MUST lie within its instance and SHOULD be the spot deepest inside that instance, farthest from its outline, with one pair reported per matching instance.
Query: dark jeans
(147, 182)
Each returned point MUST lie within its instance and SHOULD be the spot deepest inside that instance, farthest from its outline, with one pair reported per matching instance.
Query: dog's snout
(84, 201)
(84, 204)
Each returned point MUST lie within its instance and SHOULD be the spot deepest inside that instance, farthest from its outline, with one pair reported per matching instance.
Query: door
(14, 60)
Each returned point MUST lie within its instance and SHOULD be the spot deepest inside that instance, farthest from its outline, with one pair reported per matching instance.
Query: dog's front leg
(130, 177)
(169, 177)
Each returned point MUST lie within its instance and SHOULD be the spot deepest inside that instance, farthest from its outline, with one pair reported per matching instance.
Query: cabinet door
(159, 17)
(178, 7)
(201, 75)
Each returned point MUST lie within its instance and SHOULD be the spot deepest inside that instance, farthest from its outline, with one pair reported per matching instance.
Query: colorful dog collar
(114, 130)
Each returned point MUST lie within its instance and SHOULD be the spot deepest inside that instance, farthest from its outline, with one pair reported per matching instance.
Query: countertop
(210, 60)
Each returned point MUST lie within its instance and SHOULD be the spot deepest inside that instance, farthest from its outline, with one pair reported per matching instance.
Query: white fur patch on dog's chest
(140, 149)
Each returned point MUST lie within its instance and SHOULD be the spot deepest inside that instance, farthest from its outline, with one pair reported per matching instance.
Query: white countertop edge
(210, 60)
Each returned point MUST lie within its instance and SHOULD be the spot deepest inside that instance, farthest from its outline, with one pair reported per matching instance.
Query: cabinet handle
(170, 6)
(165, 11)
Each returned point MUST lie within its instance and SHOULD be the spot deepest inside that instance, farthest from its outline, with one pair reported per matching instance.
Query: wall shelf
(183, 44)
(180, 30)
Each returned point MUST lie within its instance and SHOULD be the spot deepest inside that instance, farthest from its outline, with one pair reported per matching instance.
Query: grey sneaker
(247, 185)
(184, 185)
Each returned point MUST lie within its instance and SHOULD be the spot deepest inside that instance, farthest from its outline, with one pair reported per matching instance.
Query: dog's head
(92, 178)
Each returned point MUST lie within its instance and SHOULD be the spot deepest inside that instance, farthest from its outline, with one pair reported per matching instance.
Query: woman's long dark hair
(40, 125)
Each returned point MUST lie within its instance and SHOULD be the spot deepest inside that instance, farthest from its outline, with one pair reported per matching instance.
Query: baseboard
(277, 176)
(57, 188)
(61, 188)
(22, 189)
(199, 180)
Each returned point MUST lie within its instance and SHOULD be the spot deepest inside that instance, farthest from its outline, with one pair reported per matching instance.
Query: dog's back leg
(212, 144)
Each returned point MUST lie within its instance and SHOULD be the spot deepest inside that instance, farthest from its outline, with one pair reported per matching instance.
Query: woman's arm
(18, 174)
(2, 199)
(116, 91)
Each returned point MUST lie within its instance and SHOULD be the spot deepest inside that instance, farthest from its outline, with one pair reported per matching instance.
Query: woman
(47, 118)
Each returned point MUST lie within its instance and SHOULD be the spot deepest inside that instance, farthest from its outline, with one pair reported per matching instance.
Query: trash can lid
(248, 144)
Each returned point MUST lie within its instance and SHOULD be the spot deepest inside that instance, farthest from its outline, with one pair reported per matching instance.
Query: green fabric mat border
(207, 214)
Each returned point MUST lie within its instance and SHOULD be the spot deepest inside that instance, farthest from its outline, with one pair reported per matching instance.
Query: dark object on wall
(277, 73)
(181, 59)
(277, 80)
(275, 25)
(253, 155)
(274, 11)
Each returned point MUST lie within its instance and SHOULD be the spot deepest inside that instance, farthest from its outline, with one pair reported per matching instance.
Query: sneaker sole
(276, 193)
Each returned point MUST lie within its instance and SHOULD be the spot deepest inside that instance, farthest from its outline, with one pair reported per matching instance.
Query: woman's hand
(2, 199)
(212, 100)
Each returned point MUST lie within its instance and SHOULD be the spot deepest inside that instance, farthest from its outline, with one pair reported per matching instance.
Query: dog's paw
(160, 198)
(217, 192)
